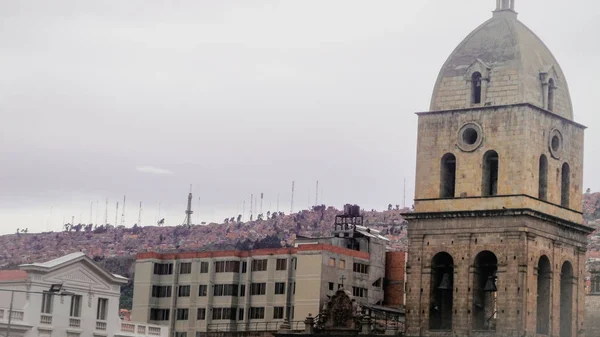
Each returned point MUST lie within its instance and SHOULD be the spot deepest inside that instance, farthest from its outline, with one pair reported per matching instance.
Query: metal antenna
(139, 223)
(117, 215)
(188, 211)
(261, 203)
(123, 214)
(317, 194)
(106, 213)
(292, 203)
(251, 203)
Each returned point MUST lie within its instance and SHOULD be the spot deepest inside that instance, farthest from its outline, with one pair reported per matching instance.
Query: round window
(555, 143)
(470, 136)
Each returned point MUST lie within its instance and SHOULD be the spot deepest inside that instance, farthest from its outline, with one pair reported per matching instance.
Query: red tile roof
(13, 275)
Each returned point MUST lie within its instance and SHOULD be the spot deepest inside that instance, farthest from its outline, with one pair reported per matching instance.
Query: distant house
(70, 296)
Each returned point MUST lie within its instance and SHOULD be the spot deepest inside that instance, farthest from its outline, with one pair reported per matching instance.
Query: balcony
(101, 325)
(46, 319)
(131, 329)
(16, 316)
(74, 323)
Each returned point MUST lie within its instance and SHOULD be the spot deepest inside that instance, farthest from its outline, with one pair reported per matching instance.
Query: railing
(15, 316)
(46, 319)
(129, 328)
(101, 325)
(74, 323)
(254, 326)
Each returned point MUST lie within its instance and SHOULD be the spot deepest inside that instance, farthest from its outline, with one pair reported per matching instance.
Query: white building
(86, 305)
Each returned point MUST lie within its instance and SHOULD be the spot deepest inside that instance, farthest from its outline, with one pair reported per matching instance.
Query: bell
(490, 285)
(445, 284)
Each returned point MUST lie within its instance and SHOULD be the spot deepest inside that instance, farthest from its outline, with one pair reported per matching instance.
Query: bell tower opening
(442, 280)
(448, 176)
(485, 291)
(476, 88)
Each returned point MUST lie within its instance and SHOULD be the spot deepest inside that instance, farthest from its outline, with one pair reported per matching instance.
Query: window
(258, 288)
(490, 174)
(330, 285)
(240, 314)
(182, 314)
(448, 176)
(159, 314)
(185, 268)
(242, 290)
(377, 283)
(277, 312)
(281, 264)
(183, 291)
(47, 303)
(551, 88)
(161, 291)
(543, 178)
(565, 186)
(102, 309)
(180, 334)
(227, 266)
(201, 314)
(203, 267)
(244, 267)
(75, 306)
(163, 268)
(257, 313)
(225, 290)
(343, 264)
(359, 292)
(202, 290)
(279, 288)
(331, 262)
(476, 88)
(360, 268)
(224, 313)
(259, 265)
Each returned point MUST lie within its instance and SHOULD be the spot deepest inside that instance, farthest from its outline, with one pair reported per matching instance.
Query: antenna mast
(139, 223)
(292, 203)
(251, 203)
(106, 213)
(261, 203)
(123, 214)
(188, 211)
(117, 215)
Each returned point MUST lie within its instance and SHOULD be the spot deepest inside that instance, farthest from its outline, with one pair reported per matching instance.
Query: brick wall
(394, 279)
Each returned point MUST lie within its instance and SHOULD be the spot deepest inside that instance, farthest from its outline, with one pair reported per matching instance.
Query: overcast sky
(100, 99)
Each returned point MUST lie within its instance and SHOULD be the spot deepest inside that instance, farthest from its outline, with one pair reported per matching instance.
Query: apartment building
(69, 296)
(257, 290)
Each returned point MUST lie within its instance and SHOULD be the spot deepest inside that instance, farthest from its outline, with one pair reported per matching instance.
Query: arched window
(543, 295)
(551, 88)
(485, 291)
(448, 176)
(442, 283)
(566, 299)
(490, 173)
(543, 178)
(565, 185)
(476, 88)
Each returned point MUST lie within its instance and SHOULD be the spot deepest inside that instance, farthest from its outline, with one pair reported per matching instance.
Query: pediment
(548, 72)
(478, 66)
(79, 276)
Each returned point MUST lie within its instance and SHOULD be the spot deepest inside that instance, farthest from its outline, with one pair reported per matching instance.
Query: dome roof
(515, 67)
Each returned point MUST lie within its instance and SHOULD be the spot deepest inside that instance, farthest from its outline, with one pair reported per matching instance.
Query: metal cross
(342, 278)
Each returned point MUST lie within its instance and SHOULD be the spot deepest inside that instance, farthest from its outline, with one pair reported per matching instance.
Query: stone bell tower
(496, 240)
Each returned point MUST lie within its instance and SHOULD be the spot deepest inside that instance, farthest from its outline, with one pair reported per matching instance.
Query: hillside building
(497, 242)
(70, 296)
(258, 290)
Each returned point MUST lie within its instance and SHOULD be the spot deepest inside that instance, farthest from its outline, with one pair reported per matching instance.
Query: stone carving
(341, 311)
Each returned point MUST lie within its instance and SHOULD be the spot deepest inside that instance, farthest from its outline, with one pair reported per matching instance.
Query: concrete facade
(87, 305)
(297, 282)
(496, 241)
